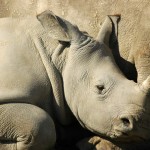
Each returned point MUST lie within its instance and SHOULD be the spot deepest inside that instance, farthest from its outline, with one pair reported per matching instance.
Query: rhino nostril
(125, 122)
(124, 125)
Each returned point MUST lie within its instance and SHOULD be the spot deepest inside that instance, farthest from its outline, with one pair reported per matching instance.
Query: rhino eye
(101, 89)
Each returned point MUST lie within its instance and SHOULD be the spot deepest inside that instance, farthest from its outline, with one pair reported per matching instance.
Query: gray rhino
(50, 72)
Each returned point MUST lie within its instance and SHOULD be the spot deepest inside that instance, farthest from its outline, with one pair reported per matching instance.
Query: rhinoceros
(51, 72)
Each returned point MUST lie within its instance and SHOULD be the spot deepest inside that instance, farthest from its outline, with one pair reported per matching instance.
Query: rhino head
(101, 98)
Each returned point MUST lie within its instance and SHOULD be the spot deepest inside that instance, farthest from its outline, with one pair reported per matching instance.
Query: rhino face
(96, 91)
(101, 98)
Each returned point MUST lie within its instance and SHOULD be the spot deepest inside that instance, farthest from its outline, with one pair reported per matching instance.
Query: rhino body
(20, 68)
(51, 72)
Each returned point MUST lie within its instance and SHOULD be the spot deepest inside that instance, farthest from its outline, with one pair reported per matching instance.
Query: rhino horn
(59, 28)
(110, 26)
(146, 85)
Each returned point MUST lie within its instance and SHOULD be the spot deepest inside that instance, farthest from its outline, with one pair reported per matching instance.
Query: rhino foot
(96, 143)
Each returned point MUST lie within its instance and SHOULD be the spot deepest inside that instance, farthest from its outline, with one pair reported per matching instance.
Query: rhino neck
(47, 49)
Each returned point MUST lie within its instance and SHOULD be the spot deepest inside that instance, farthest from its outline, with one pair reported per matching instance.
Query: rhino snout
(123, 125)
(127, 127)
(127, 123)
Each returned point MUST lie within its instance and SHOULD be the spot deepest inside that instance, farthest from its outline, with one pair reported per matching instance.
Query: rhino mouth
(124, 137)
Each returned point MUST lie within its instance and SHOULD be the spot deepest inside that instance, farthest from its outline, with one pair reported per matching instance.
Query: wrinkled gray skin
(40, 78)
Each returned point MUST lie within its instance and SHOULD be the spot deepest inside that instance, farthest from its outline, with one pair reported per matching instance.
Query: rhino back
(23, 77)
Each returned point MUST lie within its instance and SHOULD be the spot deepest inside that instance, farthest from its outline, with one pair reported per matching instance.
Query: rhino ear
(109, 27)
(58, 28)
(52, 24)
(146, 85)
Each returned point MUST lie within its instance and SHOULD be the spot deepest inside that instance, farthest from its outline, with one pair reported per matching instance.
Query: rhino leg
(25, 127)
(96, 143)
